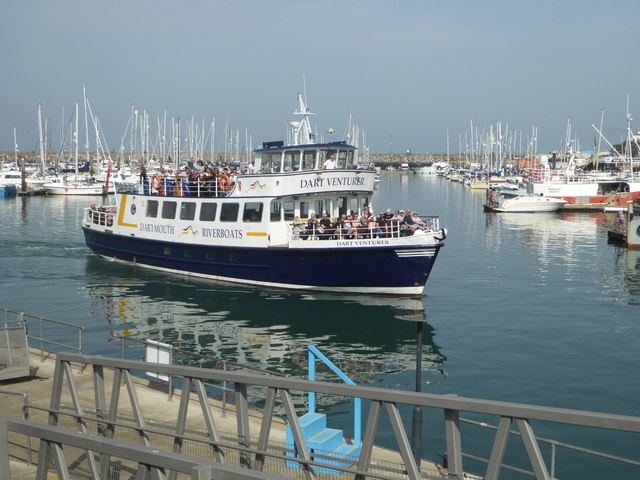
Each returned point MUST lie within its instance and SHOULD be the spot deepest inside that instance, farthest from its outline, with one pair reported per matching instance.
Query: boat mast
(15, 146)
(75, 140)
(42, 153)
(86, 123)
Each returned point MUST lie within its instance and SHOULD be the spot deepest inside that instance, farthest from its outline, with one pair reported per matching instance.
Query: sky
(410, 73)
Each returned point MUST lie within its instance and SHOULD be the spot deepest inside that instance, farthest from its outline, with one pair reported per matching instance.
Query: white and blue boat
(251, 233)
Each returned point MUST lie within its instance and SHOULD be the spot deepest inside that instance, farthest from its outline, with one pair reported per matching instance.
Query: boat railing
(394, 229)
(169, 187)
(102, 215)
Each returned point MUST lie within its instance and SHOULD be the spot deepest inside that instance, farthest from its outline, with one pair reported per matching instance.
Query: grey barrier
(252, 457)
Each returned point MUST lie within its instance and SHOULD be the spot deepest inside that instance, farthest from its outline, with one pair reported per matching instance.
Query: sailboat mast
(42, 158)
(75, 139)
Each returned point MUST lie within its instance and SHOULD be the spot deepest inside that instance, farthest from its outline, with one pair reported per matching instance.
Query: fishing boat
(507, 198)
(252, 230)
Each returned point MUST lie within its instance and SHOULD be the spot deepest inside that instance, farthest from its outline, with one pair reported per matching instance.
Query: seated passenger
(312, 226)
(408, 225)
(327, 226)
(383, 225)
(346, 228)
(296, 230)
(419, 223)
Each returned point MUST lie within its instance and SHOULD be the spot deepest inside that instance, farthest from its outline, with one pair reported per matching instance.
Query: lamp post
(416, 425)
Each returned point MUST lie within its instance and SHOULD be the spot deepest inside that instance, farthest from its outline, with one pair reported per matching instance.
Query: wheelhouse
(274, 157)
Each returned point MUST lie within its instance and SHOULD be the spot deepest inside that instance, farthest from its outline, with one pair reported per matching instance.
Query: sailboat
(74, 185)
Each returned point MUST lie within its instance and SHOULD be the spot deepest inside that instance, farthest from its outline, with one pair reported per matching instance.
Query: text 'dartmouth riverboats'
(255, 229)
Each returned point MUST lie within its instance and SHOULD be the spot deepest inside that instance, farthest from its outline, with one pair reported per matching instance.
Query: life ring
(225, 182)
(156, 182)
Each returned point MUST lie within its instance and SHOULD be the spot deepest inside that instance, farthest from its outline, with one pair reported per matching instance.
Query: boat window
(229, 212)
(349, 163)
(309, 160)
(252, 212)
(291, 161)
(342, 159)
(304, 210)
(152, 208)
(289, 211)
(275, 211)
(328, 207)
(353, 204)
(271, 162)
(187, 210)
(342, 206)
(169, 209)
(319, 207)
(208, 211)
(187, 253)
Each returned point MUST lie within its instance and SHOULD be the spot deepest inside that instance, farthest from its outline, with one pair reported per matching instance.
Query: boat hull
(389, 270)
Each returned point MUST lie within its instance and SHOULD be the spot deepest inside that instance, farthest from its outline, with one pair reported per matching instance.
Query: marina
(529, 308)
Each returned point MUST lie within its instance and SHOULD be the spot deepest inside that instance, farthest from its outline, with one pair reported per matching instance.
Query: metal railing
(395, 229)
(253, 457)
(25, 417)
(148, 462)
(40, 324)
(314, 354)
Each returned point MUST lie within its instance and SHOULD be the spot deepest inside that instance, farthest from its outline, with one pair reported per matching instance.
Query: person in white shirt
(330, 163)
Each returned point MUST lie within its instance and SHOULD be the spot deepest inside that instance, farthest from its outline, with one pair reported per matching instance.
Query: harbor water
(530, 308)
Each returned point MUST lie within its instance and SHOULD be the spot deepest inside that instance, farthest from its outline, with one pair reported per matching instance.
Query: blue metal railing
(357, 402)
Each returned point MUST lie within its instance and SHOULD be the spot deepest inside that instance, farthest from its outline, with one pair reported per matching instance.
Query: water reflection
(268, 329)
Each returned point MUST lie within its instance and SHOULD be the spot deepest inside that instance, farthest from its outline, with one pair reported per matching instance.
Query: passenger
(216, 186)
(372, 225)
(296, 230)
(185, 178)
(192, 180)
(346, 228)
(311, 229)
(419, 223)
(224, 182)
(329, 229)
(205, 182)
(408, 225)
(396, 222)
(169, 181)
(383, 225)
(361, 227)
(146, 189)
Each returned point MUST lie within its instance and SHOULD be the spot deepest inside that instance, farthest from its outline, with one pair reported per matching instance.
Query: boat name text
(150, 227)
(360, 243)
(332, 182)
(221, 233)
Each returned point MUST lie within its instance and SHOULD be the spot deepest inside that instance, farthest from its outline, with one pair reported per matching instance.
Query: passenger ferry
(254, 232)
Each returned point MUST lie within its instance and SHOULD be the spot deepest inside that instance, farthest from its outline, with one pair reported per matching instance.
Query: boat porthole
(133, 209)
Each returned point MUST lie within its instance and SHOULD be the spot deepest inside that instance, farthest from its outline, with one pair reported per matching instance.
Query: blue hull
(337, 269)
(8, 191)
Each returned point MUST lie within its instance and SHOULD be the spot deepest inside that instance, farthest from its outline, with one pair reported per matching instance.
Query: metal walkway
(99, 427)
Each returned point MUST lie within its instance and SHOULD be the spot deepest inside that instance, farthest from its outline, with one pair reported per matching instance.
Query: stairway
(322, 440)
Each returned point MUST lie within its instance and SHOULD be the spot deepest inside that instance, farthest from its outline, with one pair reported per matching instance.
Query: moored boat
(250, 230)
(65, 185)
(582, 190)
(506, 198)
